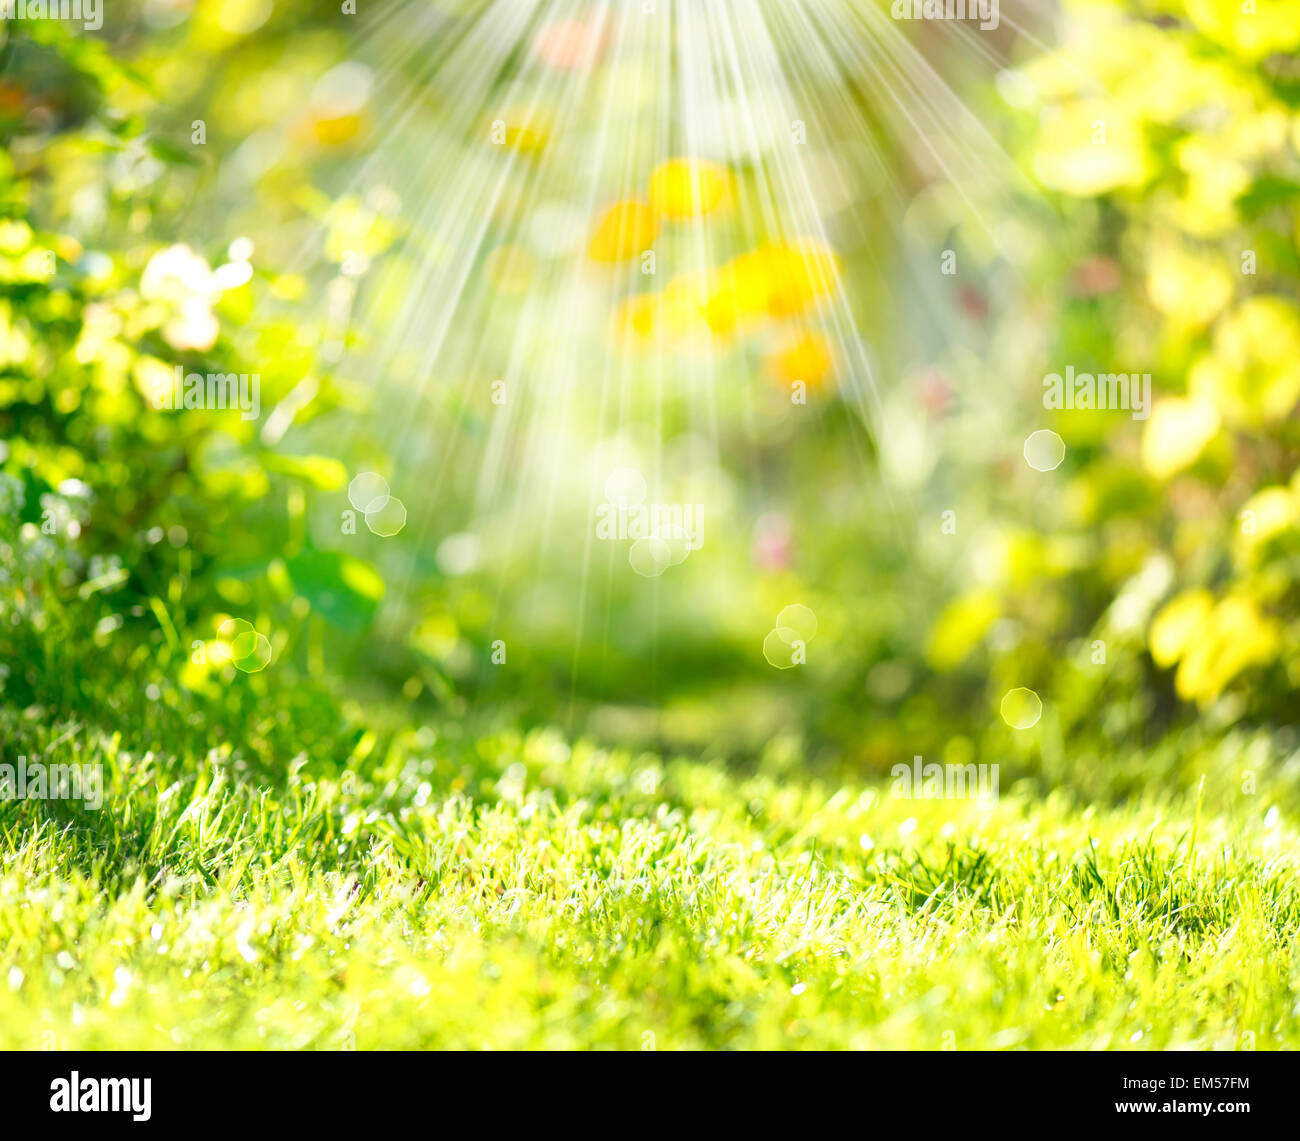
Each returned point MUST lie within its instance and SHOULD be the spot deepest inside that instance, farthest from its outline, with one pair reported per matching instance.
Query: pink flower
(773, 542)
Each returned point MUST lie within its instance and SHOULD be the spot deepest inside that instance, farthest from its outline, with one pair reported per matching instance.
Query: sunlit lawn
(513, 891)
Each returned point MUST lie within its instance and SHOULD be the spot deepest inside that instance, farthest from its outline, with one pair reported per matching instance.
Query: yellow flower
(1176, 434)
(15, 236)
(799, 273)
(626, 231)
(689, 188)
(636, 322)
(806, 357)
(1188, 286)
(526, 130)
(1267, 513)
(774, 280)
(1092, 148)
(1234, 638)
(1178, 622)
(334, 131)
(1207, 206)
(1253, 376)
(740, 293)
(1255, 31)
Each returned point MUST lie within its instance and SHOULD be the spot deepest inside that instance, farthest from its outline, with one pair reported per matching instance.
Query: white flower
(182, 278)
(194, 327)
(178, 274)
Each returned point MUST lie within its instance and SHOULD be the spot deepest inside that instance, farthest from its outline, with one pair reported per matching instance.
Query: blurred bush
(213, 193)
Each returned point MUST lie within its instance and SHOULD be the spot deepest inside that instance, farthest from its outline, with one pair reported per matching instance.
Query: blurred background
(800, 268)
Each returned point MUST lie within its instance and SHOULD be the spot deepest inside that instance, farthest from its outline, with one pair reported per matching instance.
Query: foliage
(1160, 237)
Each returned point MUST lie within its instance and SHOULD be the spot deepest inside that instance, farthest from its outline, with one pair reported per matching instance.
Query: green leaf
(1267, 192)
(343, 590)
(172, 152)
(321, 472)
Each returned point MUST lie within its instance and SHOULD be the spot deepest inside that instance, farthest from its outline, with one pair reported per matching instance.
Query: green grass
(429, 887)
